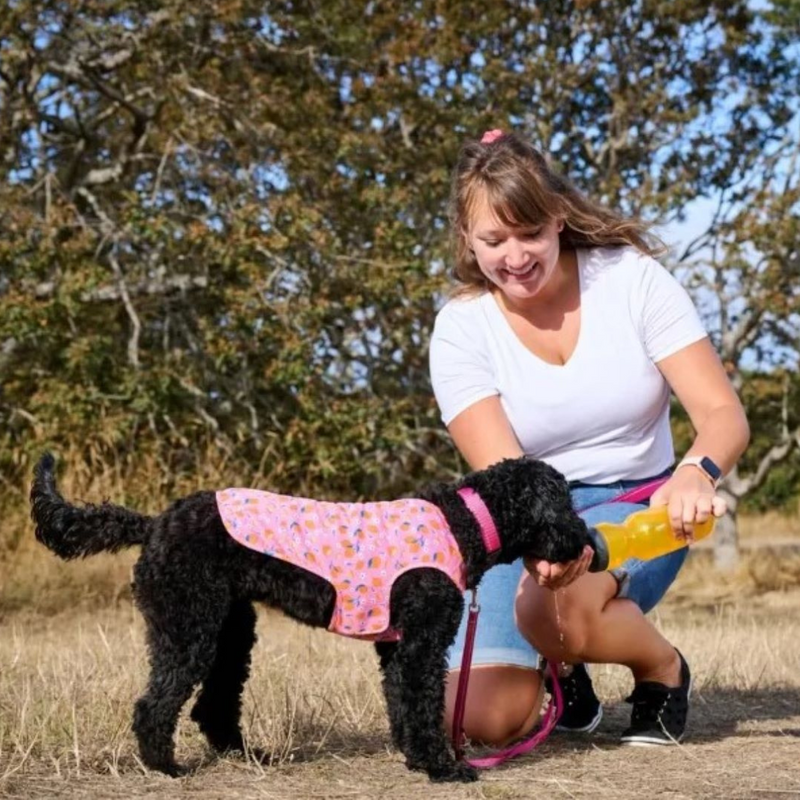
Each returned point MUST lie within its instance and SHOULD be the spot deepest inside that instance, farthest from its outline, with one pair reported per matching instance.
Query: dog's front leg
(427, 609)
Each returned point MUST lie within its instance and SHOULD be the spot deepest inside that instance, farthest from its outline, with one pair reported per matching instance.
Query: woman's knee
(503, 703)
(559, 624)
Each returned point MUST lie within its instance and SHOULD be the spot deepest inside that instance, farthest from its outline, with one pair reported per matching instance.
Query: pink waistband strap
(640, 493)
(636, 495)
(474, 502)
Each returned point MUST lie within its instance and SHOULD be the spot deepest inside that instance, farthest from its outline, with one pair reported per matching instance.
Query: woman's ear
(560, 226)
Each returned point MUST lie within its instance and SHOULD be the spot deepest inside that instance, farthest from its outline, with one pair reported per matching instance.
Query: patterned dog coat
(359, 548)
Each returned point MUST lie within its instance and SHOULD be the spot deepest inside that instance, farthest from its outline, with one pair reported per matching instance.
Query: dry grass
(67, 684)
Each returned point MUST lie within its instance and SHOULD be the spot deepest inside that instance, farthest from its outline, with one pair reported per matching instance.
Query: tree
(224, 224)
(745, 271)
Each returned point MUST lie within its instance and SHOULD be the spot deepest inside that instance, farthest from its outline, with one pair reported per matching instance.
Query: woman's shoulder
(616, 258)
(617, 266)
(462, 309)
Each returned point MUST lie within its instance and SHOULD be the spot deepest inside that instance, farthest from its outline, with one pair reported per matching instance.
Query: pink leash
(491, 540)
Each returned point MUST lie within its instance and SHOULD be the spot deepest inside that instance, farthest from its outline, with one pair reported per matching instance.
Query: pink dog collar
(489, 534)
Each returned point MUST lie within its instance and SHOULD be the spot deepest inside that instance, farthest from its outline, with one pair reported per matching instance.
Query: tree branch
(777, 453)
(133, 342)
(153, 287)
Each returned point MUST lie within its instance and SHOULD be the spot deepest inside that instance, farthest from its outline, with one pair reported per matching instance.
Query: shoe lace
(650, 701)
(572, 687)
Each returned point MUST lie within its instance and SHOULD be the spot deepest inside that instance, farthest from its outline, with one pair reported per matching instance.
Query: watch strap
(705, 465)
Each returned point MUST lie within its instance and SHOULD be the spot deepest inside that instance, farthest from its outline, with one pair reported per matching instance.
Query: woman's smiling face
(520, 261)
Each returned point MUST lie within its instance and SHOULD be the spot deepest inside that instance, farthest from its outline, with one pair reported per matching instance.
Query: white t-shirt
(604, 415)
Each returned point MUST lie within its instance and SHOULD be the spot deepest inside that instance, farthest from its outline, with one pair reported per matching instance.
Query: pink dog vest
(359, 548)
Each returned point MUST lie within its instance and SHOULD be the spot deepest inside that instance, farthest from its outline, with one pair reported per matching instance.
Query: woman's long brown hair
(525, 192)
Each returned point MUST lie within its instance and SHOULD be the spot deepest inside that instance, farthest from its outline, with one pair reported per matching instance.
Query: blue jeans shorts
(497, 640)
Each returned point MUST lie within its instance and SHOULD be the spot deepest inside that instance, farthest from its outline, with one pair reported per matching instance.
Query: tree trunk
(726, 537)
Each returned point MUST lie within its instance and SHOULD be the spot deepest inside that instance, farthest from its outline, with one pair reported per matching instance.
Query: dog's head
(532, 509)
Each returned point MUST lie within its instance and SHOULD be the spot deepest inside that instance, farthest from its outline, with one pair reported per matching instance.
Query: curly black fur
(195, 586)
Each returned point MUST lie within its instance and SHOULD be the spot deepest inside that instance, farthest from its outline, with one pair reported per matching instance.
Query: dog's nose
(601, 555)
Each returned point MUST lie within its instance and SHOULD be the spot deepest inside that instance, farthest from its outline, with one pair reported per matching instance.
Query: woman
(563, 342)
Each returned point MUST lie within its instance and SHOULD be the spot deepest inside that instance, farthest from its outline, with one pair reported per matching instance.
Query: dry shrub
(769, 527)
(771, 569)
(33, 578)
(760, 570)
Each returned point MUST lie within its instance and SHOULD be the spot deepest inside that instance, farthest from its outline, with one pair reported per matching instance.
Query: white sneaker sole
(644, 741)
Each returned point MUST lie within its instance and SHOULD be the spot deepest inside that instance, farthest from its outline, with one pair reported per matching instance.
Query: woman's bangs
(517, 206)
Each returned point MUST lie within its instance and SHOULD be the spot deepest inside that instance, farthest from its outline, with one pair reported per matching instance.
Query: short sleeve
(669, 319)
(460, 368)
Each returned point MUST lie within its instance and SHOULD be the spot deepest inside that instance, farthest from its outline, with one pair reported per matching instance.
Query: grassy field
(68, 682)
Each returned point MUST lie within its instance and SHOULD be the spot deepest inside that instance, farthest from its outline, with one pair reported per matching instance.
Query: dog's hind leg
(174, 673)
(218, 707)
(183, 623)
(387, 653)
(427, 608)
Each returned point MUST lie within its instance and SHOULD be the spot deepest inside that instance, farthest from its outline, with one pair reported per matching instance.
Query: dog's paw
(173, 769)
(458, 771)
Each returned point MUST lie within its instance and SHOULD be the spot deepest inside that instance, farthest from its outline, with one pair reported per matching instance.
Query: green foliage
(223, 225)
(773, 403)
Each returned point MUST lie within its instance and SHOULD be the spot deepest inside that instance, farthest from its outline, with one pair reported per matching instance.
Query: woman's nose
(515, 253)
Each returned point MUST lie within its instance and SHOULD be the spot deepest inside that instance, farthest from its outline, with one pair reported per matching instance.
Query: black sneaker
(582, 710)
(659, 712)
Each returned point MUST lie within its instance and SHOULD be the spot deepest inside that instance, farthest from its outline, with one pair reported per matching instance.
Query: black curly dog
(195, 586)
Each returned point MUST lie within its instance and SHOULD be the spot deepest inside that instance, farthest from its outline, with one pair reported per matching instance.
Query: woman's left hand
(554, 576)
(690, 498)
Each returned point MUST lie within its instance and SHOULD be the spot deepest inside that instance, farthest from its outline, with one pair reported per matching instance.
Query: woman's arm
(483, 435)
(697, 377)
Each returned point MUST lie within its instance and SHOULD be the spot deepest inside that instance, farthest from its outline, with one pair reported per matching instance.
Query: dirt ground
(68, 683)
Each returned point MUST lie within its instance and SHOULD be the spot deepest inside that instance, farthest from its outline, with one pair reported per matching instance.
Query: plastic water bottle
(644, 534)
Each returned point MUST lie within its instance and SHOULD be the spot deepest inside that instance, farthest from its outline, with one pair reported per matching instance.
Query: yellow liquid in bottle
(645, 534)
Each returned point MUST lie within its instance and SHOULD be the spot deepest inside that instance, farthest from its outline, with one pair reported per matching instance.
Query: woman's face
(519, 261)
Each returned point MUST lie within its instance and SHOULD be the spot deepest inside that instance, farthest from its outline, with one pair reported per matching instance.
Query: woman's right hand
(558, 575)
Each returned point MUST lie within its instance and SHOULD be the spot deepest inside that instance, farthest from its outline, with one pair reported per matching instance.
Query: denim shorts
(498, 641)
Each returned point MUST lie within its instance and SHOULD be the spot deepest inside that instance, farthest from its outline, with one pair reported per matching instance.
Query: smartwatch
(705, 465)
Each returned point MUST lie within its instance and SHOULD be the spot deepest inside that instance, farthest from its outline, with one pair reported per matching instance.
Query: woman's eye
(491, 242)
(532, 234)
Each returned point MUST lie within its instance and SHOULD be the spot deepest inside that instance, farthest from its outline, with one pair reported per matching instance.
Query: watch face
(711, 468)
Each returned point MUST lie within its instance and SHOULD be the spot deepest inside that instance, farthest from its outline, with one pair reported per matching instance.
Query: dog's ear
(532, 507)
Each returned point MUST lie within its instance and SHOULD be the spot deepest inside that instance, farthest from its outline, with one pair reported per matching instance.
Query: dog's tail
(79, 531)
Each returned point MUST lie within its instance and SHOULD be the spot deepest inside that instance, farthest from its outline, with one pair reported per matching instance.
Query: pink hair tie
(491, 136)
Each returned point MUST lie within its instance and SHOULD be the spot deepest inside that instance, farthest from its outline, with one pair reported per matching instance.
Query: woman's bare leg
(503, 702)
(585, 622)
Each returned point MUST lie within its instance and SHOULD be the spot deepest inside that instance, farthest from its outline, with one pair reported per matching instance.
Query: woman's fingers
(681, 516)
(703, 506)
(690, 499)
(718, 506)
(556, 576)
